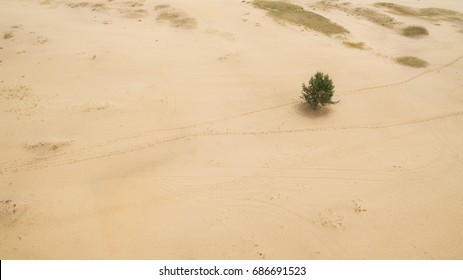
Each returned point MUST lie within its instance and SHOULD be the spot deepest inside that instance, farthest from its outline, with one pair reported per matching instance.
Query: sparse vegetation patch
(400, 9)
(99, 7)
(412, 61)
(425, 13)
(359, 45)
(414, 31)
(297, 15)
(375, 17)
(138, 13)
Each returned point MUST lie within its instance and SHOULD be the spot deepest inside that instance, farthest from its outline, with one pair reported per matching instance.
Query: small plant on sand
(7, 35)
(412, 61)
(319, 91)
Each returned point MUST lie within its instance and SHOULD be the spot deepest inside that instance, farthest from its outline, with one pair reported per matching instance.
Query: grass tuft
(376, 17)
(177, 18)
(400, 9)
(371, 15)
(7, 35)
(425, 13)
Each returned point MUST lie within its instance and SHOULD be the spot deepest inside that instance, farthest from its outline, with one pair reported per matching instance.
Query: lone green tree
(319, 91)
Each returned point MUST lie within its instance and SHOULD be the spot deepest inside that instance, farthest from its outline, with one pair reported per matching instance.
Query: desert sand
(174, 129)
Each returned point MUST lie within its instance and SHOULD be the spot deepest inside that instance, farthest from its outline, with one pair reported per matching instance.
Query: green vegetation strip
(427, 13)
(295, 14)
(412, 61)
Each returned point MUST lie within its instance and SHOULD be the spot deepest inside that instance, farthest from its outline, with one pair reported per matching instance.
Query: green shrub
(359, 45)
(319, 91)
(414, 31)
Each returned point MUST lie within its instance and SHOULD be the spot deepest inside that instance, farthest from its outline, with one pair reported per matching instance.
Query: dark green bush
(319, 91)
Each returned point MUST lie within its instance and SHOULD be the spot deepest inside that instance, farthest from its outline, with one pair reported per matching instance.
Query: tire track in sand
(43, 162)
(90, 148)
(76, 157)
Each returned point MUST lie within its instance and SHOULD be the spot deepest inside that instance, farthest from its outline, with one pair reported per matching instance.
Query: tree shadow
(303, 110)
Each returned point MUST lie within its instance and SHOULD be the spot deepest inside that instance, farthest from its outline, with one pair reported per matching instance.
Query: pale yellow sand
(128, 137)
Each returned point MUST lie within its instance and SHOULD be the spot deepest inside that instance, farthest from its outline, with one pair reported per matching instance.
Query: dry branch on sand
(414, 31)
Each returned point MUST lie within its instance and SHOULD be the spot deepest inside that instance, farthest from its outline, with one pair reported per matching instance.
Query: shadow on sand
(303, 110)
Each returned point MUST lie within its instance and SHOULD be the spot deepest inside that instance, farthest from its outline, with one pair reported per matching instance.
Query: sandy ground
(124, 136)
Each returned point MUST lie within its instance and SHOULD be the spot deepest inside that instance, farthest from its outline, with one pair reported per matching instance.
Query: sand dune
(174, 130)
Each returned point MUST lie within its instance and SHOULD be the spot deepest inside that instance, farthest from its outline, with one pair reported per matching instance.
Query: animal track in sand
(329, 219)
(10, 212)
(367, 13)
